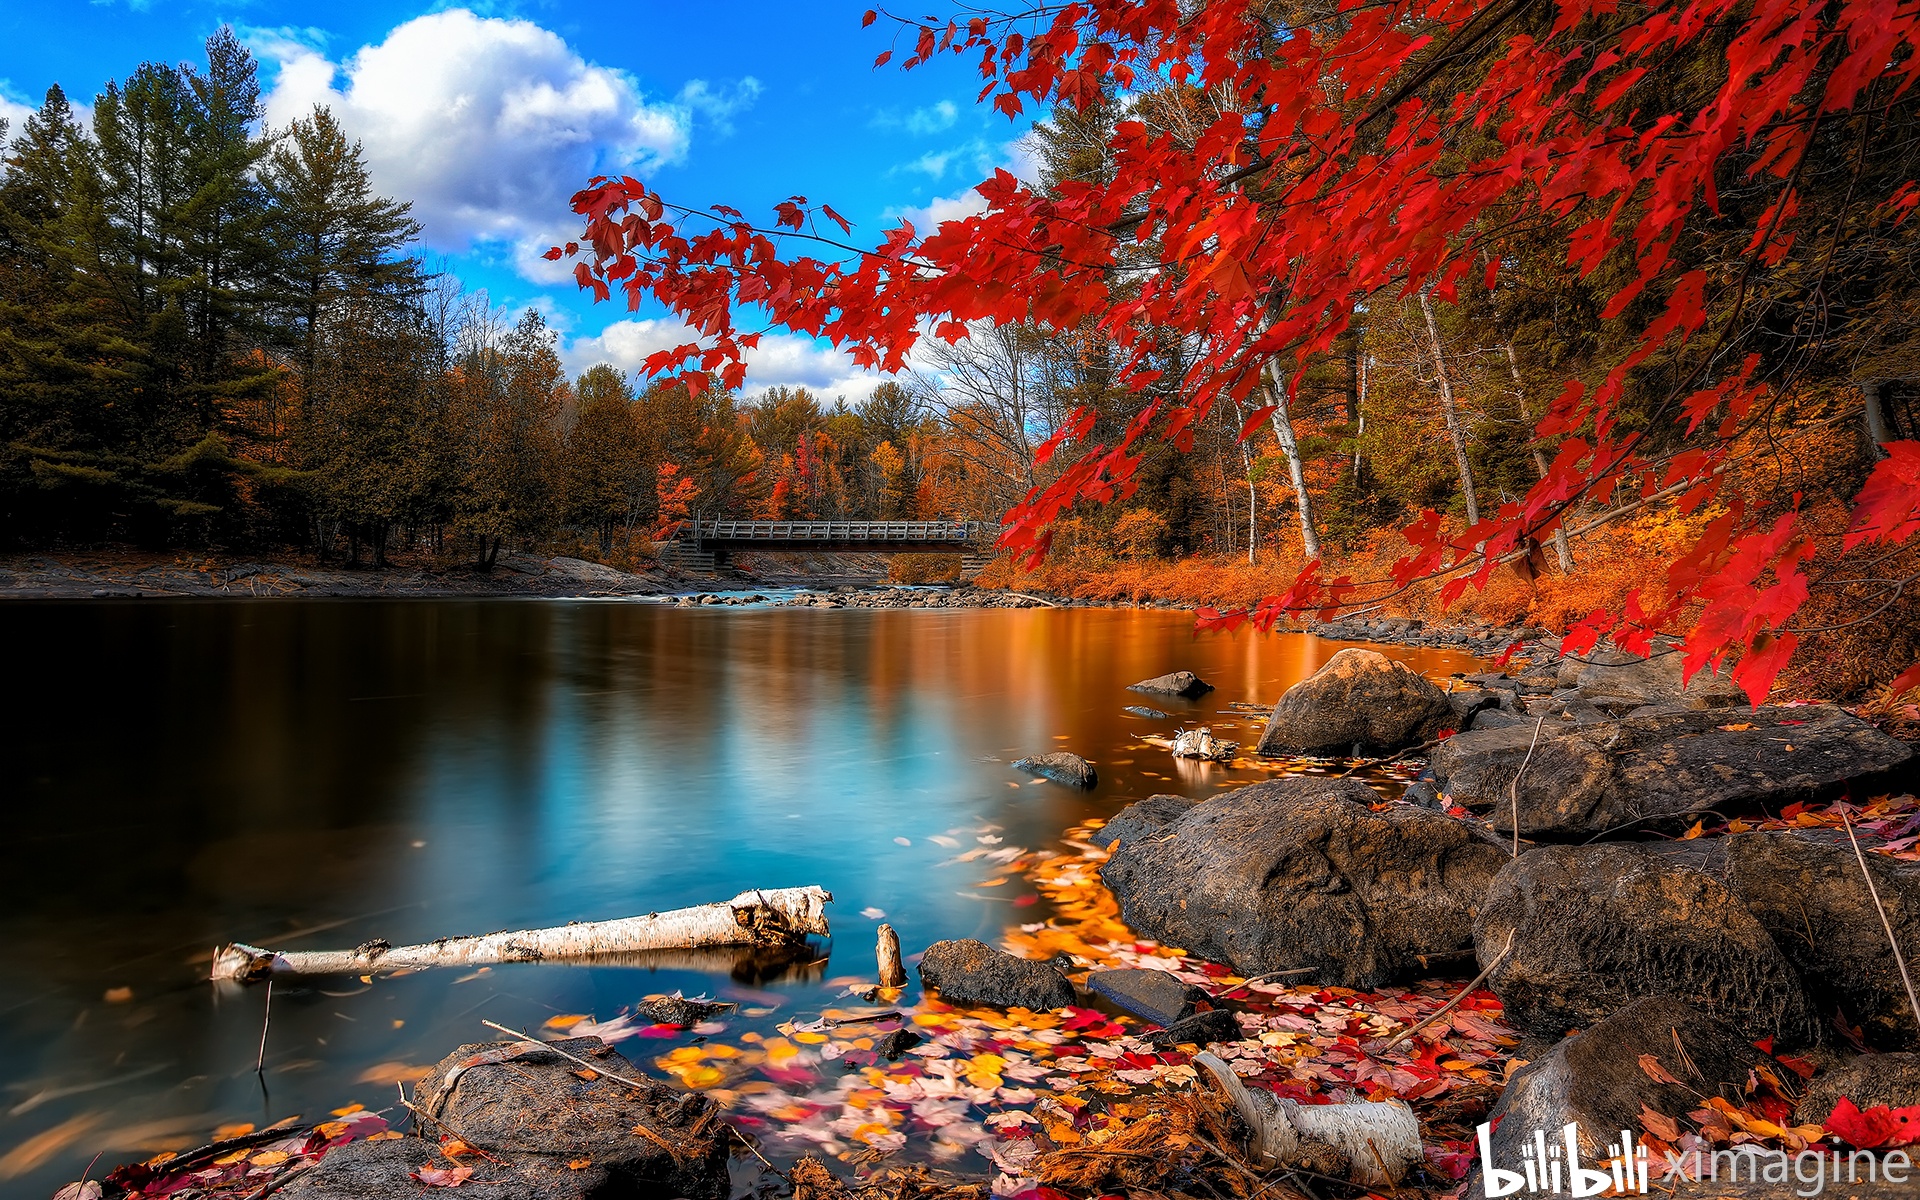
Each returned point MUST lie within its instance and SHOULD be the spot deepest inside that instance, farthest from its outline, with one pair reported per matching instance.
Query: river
(308, 775)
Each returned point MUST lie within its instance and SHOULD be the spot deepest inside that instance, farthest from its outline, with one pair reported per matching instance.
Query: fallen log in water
(780, 916)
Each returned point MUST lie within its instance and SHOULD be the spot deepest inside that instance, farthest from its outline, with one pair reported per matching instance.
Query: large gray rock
(1594, 928)
(1869, 1080)
(968, 971)
(1360, 702)
(542, 1110)
(1620, 682)
(1805, 887)
(1302, 872)
(1143, 818)
(1184, 684)
(1660, 771)
(385, 1171)
(1061, 767)
(1595, 1080)
(1773, 932)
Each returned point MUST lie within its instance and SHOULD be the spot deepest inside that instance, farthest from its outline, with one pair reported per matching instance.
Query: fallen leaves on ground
(240, 1164)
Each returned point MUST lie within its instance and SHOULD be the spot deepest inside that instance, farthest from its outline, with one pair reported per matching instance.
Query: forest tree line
(214, 333)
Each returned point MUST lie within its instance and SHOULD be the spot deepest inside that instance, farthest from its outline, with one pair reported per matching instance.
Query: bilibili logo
(1545, 1167)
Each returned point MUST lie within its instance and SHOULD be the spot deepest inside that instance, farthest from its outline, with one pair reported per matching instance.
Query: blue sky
(489, 116)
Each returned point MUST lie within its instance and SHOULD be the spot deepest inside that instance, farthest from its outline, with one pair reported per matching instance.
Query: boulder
(1301, 872)
(1662, 770)
(1143, 818)
(385, 1171)
(1184, 684)
(1360, 702)
(544, 1111)
(1805, 887)
(1061, 767)
(1869, 1080)
(971, 972)
(1595, 1081)
(1595, 928)
(1619, 682)
(1159, 996)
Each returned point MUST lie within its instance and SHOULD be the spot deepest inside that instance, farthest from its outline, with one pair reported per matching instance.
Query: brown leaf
(1654, 1070)
(1665, 1128)
(435, 1177)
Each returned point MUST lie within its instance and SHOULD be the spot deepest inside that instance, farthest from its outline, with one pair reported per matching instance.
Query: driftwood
(892, 973)
(780, 916)
(1376, 1141)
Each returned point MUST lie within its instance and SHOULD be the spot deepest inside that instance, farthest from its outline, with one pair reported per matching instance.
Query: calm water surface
(314, 774)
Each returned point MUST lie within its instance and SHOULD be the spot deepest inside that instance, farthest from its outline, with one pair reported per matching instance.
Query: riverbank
(133, 575)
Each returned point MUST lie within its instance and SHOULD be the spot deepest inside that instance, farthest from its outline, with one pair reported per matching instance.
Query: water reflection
(316, 774)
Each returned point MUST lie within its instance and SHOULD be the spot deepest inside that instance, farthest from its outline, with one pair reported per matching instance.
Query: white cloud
(488, 125)
(1017, 157)
(14, 109)
(781, 360)
(935, 118)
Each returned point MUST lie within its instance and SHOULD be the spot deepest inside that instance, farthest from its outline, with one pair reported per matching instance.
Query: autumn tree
(1668, 155)
(607, 469)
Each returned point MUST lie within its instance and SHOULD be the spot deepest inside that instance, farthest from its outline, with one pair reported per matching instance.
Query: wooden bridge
(708, 544)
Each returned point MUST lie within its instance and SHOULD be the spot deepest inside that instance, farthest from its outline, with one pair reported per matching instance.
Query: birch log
(779, 916)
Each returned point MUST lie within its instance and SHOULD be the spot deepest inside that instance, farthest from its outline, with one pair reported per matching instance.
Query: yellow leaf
(1698, 828)
(567, 1020)
(385, 1135)
(810, 1039)
(228, 1160)
(269, 1158)
(349, 1110)
(1738, 727)
(233, 1131)
(577, 1164)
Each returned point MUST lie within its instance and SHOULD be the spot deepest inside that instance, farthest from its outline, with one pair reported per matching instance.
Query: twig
(266, 1022)
(635, 1084)
(1409, 752)
(1514, 788)
(1900, 960)
(443, 1123)
(1263, 978)
(1448, 1007)
(598, 1070)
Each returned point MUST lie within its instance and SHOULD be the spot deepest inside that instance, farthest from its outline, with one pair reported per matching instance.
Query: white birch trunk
(1450, 413)
(1283, 429)
(1560, 548)
(782, 915)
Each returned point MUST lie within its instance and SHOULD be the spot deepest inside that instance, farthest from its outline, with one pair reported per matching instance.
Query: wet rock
(680, 1010)
(1595, 928)
(1141, 710)
(1470, 704)
(1302, 872)
(1594, 1080)
(1869, 1080)
(384, 1171)
(1361, 702)
(1143, 818)
(1179, 683)
(530, 1104)
(894, 1044)
(1423, 793)
(1501, 718)
(1060, 767)
(1158, 996)
(1200, 1029)
(1805, 887)
(1660, 771)
(971, 972)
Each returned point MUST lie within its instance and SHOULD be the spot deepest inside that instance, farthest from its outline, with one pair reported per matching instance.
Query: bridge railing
(851, 532)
